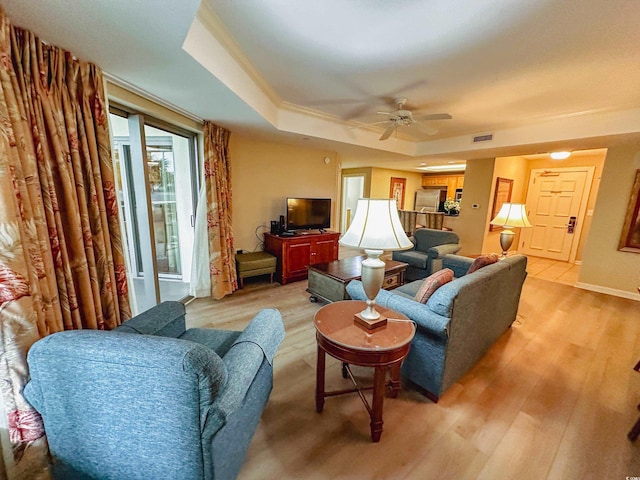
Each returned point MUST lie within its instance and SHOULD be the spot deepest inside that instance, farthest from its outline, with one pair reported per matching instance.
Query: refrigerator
(430, 199)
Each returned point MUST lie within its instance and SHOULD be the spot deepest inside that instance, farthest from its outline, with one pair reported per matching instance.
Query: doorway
(556, 207)
(352, 190)
(154, 165)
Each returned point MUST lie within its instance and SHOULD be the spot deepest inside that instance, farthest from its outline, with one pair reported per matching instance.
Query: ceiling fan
(402, 117)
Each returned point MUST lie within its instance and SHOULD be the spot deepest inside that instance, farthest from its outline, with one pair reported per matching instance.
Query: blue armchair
(430, 247)
(152, 399)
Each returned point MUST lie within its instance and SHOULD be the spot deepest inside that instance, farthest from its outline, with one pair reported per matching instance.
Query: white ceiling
(539, 75)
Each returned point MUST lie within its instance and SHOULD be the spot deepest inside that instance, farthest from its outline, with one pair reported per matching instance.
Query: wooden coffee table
(328, 281)
(382, 348)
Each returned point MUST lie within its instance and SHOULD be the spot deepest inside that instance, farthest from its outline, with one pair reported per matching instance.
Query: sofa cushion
(432, 283)
(482, 261)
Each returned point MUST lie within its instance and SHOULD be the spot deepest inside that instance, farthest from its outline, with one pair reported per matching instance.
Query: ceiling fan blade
(364, 125)
(425, 128)
(387, 133)
(357, 112)
(432, 116)
(406, 88)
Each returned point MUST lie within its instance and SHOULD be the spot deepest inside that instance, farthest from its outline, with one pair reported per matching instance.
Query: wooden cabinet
(296, 253)
(451, 187)
(452, 182)
(434, 181)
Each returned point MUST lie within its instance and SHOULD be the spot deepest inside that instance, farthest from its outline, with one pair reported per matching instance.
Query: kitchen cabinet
(434, 181)
(452, 182)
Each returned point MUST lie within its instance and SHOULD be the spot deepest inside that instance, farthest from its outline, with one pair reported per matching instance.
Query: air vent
(483, 138)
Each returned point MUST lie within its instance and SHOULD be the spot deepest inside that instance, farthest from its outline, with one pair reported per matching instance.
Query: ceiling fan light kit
(402, 117)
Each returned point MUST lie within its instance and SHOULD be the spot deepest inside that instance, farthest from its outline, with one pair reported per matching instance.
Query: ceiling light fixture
(560, 155)
(443, 168)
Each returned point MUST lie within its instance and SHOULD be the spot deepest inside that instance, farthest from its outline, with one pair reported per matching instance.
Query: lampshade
(376, 226)
(511, 215)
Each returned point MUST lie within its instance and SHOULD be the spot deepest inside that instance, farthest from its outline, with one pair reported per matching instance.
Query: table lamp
(511, 215)
(376, 227)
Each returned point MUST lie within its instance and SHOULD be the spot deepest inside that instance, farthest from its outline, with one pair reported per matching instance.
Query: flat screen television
(308, 213)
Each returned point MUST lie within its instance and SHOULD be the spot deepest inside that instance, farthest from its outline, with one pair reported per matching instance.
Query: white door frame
(343, 206)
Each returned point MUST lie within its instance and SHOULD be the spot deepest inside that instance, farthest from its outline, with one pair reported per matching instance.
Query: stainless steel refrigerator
(429, 199)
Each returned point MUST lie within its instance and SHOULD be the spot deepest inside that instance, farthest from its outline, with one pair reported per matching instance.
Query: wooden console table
(294, 254)
(328, 281)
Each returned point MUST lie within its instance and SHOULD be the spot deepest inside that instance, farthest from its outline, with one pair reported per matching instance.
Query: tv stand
(295, 254)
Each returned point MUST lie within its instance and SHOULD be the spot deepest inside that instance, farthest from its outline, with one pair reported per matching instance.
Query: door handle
(571, 226)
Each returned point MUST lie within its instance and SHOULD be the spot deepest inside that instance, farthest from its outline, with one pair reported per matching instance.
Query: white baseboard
(609, 291)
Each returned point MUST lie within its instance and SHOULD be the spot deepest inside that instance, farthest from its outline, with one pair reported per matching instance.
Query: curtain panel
(217, 181)
(61, 259)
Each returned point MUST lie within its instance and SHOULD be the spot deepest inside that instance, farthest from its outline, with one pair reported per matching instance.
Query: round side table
(382, 348)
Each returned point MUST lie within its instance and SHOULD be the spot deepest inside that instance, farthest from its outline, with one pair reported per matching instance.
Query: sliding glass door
(156, 174)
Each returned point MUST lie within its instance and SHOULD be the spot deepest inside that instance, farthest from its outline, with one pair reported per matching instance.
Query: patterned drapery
(61, 259)
(217, 180)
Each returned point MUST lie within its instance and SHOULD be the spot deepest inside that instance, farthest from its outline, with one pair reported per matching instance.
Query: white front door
(556, 203)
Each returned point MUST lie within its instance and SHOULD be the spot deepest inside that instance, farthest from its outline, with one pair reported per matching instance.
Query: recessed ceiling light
(560, 155)
(443, 168)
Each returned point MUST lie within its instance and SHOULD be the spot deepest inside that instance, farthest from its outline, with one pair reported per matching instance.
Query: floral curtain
(217, 182)
(61, 258)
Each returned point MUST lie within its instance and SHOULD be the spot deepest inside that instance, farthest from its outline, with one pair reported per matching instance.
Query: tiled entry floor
(553, 270)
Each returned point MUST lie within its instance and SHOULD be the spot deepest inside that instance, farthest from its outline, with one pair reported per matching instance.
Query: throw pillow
(483, 261)
(432, 283)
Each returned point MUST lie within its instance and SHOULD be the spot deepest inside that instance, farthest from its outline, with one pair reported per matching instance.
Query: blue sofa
(152, 399)
(459, 322)
(429, 248)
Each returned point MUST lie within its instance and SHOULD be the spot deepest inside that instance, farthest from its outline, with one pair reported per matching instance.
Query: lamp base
(506, 240)
(369, 324)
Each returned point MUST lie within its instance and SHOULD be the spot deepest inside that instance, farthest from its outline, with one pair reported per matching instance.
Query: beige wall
(264, 174)
(604, 268)
(513, 168)
(381, 184)
(367, 178)
(471, 223)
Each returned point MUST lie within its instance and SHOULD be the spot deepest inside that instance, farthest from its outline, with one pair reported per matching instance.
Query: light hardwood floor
(553, 399)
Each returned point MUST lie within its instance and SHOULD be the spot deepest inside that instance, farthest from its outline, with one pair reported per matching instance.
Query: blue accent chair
(152, 399)
(430, 247)
(459, 322)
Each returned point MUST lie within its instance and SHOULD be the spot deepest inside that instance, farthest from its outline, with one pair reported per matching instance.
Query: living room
(523, 397)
